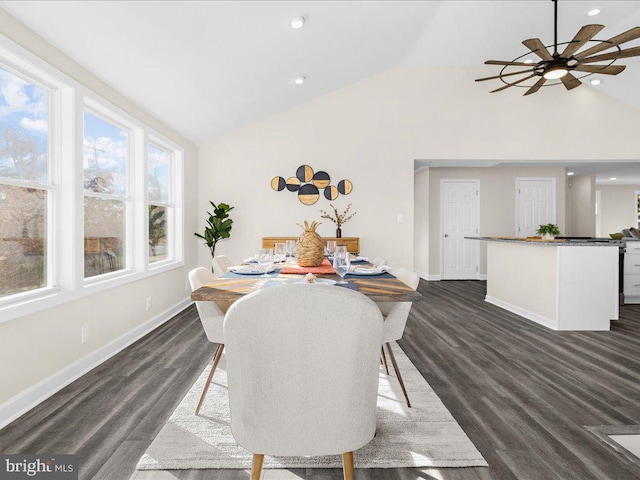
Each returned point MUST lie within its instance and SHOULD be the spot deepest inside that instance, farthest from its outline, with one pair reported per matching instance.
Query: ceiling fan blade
(512, 84)
(629, 52)
(500, 62)
(612, 42)
(504, 75)
(604, 69)
(570, 82)
(537, 47)
(536, 86)
(585, 34)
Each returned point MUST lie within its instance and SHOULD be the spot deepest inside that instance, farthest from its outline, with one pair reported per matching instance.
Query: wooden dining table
(378, 288)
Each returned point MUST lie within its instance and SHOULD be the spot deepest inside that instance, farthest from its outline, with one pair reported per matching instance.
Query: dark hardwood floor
(522, 393)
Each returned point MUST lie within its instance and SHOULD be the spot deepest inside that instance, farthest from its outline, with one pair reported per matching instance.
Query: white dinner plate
(367, 272)
(249, 270)
(326, 281)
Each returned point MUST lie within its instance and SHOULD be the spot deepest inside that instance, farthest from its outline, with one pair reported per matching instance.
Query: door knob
(446, 235)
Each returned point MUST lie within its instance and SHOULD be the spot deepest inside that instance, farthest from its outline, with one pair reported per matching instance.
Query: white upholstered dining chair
(220, 263)
(395, 319)
(212, 320)
(302, 365)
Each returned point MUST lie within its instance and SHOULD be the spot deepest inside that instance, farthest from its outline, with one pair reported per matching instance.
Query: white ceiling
(208, 67)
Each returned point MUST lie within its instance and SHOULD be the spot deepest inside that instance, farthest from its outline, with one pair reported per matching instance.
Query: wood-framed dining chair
(212, 319)
(288, 395)
(395, 319)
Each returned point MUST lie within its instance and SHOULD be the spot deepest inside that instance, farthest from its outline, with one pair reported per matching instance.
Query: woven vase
(310, 247)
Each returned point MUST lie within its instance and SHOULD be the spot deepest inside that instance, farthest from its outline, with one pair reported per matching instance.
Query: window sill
(41, 299)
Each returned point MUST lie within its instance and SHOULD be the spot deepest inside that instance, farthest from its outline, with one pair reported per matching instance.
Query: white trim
(482, 276)
(534, 317)
(536, 179)
(433, 278)
(424, 276)
(476, 247)
(636, 218)
(36, 394)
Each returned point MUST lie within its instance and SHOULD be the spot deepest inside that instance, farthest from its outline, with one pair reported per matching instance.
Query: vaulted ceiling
(208, 67)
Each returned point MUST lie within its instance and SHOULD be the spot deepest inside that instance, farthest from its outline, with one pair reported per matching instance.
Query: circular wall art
(308, 194)
(309, 183)
(278, 183)
(345, 187)
(304, 173)
(331, 192)
(321, 179)
(293, 184)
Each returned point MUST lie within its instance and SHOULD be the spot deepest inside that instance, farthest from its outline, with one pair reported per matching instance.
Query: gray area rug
(425, 435)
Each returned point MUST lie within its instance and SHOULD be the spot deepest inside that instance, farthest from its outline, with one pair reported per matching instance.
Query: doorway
(459, 218)
(536, 201)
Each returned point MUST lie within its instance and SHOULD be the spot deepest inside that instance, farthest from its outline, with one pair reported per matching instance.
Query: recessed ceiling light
(596, 81)
(300, 80)
(593, 12)
(297, 22)
(613, 178)
(570, 173)
(528, 60)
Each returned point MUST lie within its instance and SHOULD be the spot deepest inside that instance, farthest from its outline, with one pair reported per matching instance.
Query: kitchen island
(559, 284)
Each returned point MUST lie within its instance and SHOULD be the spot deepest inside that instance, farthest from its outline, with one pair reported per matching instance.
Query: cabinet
(352, 243)
(632, 272)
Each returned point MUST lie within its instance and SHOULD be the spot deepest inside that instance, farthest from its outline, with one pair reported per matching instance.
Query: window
(25, 190)
(105, 155)
(88, 192)
(160, 207)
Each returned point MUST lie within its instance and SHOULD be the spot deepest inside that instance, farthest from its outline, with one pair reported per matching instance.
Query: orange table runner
(324, 268)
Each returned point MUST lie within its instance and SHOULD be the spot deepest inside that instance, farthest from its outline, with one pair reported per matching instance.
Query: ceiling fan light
(555, 73)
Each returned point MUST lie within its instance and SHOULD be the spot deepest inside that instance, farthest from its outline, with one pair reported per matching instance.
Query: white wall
(38, 350)
(581, 198)
(372, 131)
(421, 222)
(618, 207)
(497, 203)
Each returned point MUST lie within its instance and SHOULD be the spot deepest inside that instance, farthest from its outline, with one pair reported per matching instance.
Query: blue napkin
(349, 285)
(382, 275)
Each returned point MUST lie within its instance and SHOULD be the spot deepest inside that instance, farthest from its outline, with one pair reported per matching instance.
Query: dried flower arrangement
(338, 218)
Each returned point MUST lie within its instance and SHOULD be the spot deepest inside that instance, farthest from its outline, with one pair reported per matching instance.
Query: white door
(460, 213)
(536, 204)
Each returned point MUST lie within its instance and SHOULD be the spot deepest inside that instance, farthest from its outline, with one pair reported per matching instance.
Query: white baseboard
(482, 276)
(36, 394)
(424, 276)
(433, 278)
(534, 317)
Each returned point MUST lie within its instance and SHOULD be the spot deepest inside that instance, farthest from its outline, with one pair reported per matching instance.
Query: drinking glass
(341, 262)
(331, 247)
(279, 252)
(265, 259)
(290, 247)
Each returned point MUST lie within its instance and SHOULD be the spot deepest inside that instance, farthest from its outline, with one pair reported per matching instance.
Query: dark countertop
(553, 243)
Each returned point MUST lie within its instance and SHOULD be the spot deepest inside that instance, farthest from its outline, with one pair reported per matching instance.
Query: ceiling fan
(559, 66)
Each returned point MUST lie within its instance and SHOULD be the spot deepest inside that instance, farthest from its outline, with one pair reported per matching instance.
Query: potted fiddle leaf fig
(218, 226)
(549, 231)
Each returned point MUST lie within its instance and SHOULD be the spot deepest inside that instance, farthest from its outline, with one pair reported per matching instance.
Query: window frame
(175, 245)
(14, 64)
(68, 99)
(104, 114)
